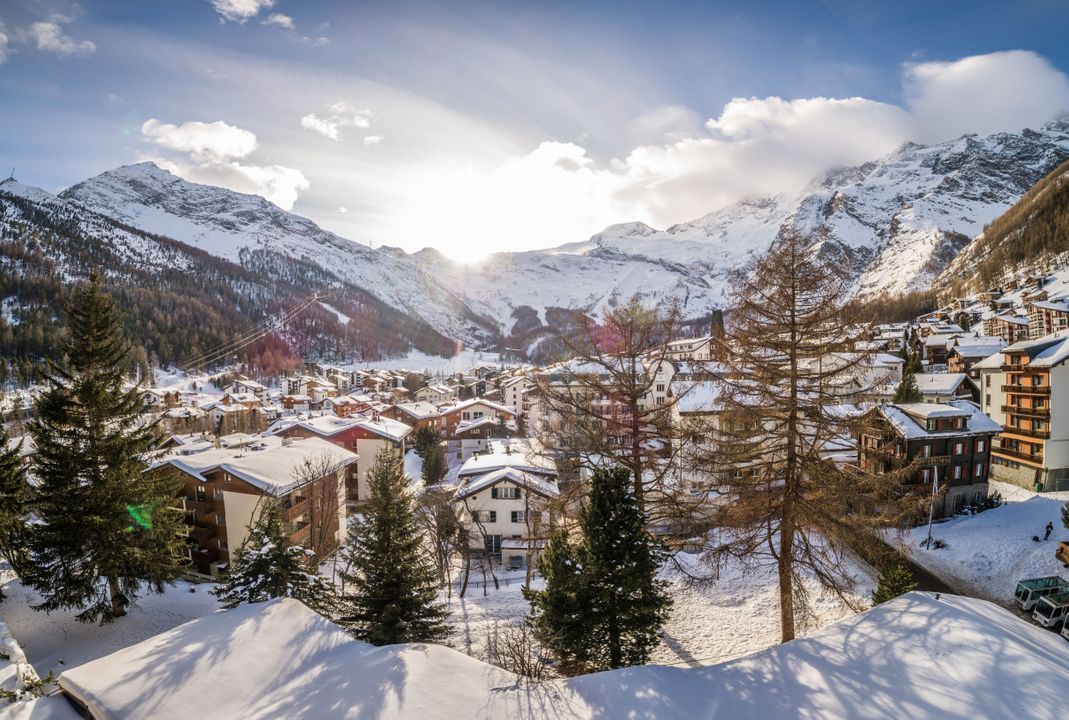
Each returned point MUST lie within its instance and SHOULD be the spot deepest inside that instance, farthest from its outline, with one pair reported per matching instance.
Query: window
(487, 516)
(220, 520)
(493, 544)
(660, 387)
(979, 470)
(218, 493)
(959, 448)
(957, 472)
(504, 492)
(981, 446)
(226, 477)
(519, 516)
(927, 453)
(465, 415)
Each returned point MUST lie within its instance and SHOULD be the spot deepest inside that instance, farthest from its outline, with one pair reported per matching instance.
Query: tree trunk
(118, 601)
(786, 582)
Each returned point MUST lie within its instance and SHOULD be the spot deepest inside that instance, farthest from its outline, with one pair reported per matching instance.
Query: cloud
(373, 139)
(4, 43)
(754, 147)
(213, 153)
(984, 94)
(215, 141)
(240, 10)
(50, 37)
(337, 116)
(283, 21)
(342, 209)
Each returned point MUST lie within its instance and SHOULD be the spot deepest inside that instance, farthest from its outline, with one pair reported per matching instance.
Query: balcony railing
(1026, 432)
(1010, 367)
(1030, 412)
(202, 533)
(201, 506)
(297, 509)
(302, 536)
(1018, 455)
(1027, 389)
(203, 557)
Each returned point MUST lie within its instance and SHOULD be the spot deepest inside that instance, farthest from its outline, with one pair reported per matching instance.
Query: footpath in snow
(986, 554)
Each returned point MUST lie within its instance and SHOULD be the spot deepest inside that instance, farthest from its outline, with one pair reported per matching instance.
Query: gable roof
(457, 407)
(541, 484)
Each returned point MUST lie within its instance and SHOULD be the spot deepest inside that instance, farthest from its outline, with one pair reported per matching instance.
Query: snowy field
(418, 362)
(55, 641)
(737, 615)
(987, 554)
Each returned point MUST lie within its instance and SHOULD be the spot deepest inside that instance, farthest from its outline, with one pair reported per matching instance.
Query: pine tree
(428, 445)
(604, 606)
(106, 531)
(14, 494)
(391, 583)
(1065, 515)
(896, 579)
(269, 566)
(907, 391)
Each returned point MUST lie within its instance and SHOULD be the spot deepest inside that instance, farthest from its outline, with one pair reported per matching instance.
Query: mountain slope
(178, 301)
(1032, 237)
(256, 234)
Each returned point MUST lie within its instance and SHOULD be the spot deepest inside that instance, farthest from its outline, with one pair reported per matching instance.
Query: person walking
(1050, 529)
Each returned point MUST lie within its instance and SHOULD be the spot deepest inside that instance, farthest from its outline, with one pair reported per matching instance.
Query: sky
(475, 127)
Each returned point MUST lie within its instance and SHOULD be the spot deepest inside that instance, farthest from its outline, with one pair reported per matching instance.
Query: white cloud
(339, 115)
(240, 10)
(50, 37)
(4, 51)
(984, 93)
(283, 21)
(212, 154)
(342, 209)
(215, 141)
(754, 147)
(373, 139)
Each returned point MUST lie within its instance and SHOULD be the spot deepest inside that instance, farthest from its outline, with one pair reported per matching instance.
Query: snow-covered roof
(697, 397)
(464, 405)
(330, 425)
(535, 482)
(418, 410)
(1056, 354)
(907, 418)
(919, 655)
(465, 425)
(271, 463)
(991, 362)
(939, 383)
(519, 454)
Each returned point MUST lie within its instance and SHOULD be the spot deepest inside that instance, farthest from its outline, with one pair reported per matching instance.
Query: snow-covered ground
(54, 641)
(734, 616)
(987, 554)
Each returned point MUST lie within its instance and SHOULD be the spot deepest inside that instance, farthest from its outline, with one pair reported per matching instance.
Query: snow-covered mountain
(896, 222)
(256, 234)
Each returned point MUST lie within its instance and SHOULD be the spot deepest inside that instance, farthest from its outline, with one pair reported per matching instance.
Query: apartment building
(1046, 317)
(225, 488)
(1034, 447)
(950, 442)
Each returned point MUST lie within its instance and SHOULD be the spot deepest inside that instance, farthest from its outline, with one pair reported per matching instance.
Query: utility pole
(931, 507)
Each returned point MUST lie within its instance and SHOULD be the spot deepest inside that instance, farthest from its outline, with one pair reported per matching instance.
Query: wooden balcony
(203, 557)
(1026, 432)
(1030, 412)
(1027, 389)
(201, 506)
(202, 533)
(297, 509)
(1017, 455)
(302, 537)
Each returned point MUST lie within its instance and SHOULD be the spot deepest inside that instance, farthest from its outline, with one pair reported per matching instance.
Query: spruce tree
(269, 566)
(1065, 515)
(895, 580)
(14, 494)
(604, 606)
(907, 391)
(391, 583)
(105, 530)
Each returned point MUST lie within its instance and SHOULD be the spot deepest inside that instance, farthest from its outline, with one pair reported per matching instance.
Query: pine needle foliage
(106, 531)
(14, 504)
(391, 588)
(603, 606)
(896, 579)
(269, 566)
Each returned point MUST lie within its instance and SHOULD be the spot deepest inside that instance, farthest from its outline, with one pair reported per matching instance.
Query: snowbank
(987, 554)
(919, 655)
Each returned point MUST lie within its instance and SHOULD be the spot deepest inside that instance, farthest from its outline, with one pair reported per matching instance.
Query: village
(956, 409)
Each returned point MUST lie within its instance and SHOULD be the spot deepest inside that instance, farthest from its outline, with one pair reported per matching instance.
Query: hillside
(1032, 237)
(179, 301)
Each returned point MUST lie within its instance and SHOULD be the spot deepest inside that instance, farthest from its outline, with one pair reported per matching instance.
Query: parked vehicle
(1030, 591)
(1051, 610)
(1065, 631)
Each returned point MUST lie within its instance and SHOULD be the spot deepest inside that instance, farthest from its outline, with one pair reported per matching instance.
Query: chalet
(416, 414)
(365, 436)
(505, 500)
(343, 406)
(224, 490)
(224, 419)
(515, 395)
(183, 420)
(936, 346)
(694, 349)
(246, 400)
(966, 352)
(435, 393)
(244, 385)
(155, 399)
(298, 403)
(949, 442)
(942, 387)
(475, 409)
